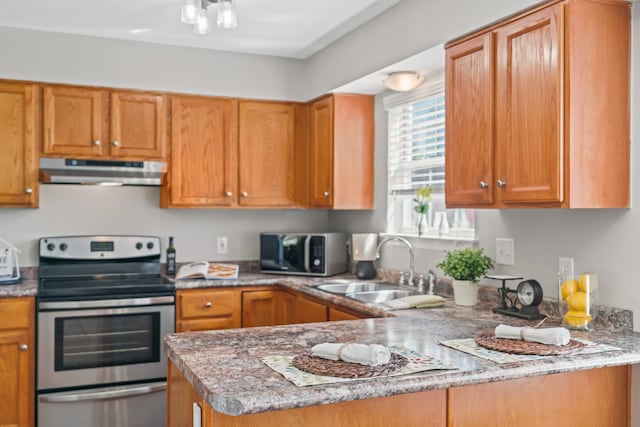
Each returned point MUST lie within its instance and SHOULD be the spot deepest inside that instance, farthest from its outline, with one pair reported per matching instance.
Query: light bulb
(227, 16)
(190, 10)
(403, 81)
(201, 26)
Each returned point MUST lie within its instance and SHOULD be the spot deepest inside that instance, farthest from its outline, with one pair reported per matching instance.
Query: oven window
(90, 342)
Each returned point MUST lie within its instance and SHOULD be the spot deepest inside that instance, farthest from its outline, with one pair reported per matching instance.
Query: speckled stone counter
(27, 288)
(225, 366)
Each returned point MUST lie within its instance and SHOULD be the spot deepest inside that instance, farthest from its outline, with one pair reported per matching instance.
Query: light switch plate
(223, 246)
(505, 251)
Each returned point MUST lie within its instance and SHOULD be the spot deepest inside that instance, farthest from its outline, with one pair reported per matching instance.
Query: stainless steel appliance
(113, 172)
(322, 254)
(103, 309)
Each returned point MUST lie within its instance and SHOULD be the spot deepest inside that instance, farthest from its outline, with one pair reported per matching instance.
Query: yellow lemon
(588, 282)
(578, 301)
(568, 287)
(577, 318)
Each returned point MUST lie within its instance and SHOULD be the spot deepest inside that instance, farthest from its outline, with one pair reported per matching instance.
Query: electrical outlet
(505, 252)
(223, 247)
(565, 266)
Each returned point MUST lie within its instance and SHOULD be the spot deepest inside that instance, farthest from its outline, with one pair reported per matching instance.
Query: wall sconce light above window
(195, 12)
(403, 81)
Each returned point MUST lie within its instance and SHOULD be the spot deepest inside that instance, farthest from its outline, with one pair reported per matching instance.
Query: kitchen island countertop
(225, 366)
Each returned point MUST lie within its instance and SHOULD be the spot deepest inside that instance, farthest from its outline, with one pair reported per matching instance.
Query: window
(416, 159)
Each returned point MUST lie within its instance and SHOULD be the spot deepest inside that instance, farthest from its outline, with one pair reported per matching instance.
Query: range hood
(100, 172)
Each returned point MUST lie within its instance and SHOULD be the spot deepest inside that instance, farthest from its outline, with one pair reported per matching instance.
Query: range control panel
(99, 247)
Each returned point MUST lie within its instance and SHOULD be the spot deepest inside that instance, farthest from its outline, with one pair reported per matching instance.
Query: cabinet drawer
(207, 303)
(16, 313)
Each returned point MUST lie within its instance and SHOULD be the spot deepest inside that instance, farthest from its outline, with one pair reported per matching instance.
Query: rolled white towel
(364, 354)
(554, 336)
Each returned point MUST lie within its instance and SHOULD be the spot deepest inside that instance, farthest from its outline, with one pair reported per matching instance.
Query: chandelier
(195, 12)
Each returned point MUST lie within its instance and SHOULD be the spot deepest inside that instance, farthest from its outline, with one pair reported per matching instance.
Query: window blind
(416, 145)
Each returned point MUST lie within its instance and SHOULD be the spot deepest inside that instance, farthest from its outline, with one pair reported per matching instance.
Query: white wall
(53, 57)
(76, 209)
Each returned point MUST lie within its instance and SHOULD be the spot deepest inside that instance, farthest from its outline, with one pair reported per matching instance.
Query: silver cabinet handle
(24, 347)
(326, 194)
(229, 194)
(116, 143)
(28, 190)
(244, 194)
(483, 184)
(208, 304)
(97, 142)
(501, 183)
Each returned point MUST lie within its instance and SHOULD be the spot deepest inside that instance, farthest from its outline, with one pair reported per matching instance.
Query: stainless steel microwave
(322, 254)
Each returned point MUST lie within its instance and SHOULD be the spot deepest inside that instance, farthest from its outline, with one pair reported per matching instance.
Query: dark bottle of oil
(171, 258)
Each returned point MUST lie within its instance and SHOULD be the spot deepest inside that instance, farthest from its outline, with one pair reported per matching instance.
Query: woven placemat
(338, 368)
(488, 340)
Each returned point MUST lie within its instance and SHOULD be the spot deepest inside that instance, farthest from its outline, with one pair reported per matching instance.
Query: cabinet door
(469, 123)
(529, 108)
(266, 151)
(321, 152)
(19, 138)
(138, 125)
(17, 366)
(204, 144)
(335, 314)
(311, 311)
(267, 308)
(74, 121)
(204, 309)
(16, 376)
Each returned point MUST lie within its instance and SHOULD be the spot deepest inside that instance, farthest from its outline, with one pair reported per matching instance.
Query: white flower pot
(465, 292)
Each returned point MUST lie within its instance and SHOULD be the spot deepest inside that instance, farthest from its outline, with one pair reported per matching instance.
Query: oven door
(83, 343)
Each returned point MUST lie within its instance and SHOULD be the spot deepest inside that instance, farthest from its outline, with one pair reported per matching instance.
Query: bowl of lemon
(577, 298)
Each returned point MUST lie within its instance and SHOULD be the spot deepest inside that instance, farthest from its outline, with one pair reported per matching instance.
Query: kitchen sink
(378, 297)
(346, 287)
(368, 292)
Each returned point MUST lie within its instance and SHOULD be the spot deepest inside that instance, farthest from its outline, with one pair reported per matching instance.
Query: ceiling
(285, 28)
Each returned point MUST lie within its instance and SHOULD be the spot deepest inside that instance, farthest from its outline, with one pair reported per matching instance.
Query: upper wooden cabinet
(341, 144)
(138, 125)
(19, 140)
(203, 161)
(267, 165)
(538, 109)
(78, 123)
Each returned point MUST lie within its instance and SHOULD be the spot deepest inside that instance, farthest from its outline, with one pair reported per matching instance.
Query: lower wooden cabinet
(227, 308)
(595, 397)
(268, 308)
(339, 314)
(310, 310)
(204, 309)
(17, 366)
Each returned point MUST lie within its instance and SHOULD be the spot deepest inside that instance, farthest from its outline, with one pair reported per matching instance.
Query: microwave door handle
(104, 395)
(307, 246)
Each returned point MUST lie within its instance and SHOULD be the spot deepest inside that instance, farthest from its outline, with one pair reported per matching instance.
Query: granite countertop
(26, 288)
(225, 366)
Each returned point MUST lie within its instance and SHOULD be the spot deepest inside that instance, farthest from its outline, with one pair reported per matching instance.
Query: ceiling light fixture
(403, 81)
(195, 12)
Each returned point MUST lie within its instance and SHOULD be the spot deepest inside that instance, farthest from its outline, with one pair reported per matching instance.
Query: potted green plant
(466, 267)
(422, 199)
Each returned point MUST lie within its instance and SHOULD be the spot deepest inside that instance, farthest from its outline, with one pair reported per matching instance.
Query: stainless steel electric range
(102, 311)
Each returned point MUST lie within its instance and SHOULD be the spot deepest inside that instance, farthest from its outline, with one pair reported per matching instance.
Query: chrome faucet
(432, 282)
(406, 242)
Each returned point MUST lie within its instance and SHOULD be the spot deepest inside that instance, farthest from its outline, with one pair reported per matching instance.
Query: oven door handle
(106, 303)
(104, 395)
